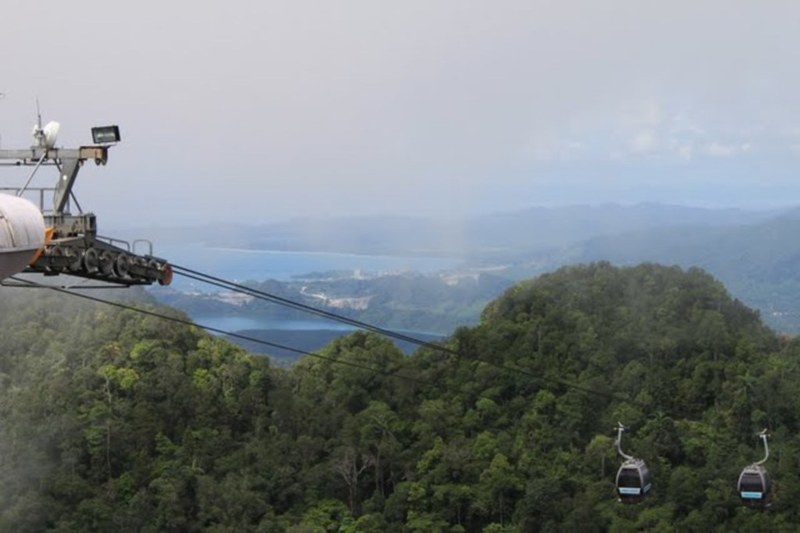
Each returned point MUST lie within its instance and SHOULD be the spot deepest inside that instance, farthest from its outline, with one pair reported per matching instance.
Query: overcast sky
(258, 110)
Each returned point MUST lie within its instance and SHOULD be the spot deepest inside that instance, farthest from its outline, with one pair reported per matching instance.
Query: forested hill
(758, 262)
(117, 421)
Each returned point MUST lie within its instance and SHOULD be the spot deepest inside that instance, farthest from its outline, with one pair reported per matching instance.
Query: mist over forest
(112, 419)
(132, 417)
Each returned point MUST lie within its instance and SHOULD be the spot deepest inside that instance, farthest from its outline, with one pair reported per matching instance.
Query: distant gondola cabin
(754, 486)
(633, 481)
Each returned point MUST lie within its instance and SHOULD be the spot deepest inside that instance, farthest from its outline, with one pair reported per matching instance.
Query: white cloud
(547, 149)
(683, 126)
(644, 141)
(646, 113)
(716, 149)
(685, 152)
(655, 129)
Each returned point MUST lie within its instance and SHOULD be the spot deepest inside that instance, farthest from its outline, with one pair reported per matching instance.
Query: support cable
(292, 304)
(185, 322)
(286, 302)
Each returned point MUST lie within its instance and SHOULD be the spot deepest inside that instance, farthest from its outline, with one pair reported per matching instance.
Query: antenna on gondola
(754, 486)
(633, 477)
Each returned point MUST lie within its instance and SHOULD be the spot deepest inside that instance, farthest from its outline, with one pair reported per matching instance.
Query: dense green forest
(112, 420)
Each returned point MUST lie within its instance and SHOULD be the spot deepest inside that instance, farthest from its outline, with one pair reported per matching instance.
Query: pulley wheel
(74, 257)
(107, 263)
(153, 269)
(91, 260)
(122, 265)
(56, 252)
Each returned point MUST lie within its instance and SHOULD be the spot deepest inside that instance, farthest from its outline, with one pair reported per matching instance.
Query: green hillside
(113, 420)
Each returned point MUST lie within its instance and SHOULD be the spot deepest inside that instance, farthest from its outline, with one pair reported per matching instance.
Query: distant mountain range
(759, 262)
(477, 237)
(755, 253)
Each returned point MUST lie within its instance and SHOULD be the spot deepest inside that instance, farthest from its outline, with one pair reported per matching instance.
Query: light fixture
(106, 134)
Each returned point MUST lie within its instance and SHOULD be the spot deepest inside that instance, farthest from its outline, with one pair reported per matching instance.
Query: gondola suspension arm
(618, 443)
(764, 436)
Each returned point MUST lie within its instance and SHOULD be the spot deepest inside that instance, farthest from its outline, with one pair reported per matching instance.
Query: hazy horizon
(253, 112)
(460, 218)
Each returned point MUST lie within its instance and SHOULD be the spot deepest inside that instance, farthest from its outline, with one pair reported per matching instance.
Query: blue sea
(238, 265)
(241, 265)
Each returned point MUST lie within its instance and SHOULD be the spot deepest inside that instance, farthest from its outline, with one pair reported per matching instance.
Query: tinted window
(629, 477)
(751, 483)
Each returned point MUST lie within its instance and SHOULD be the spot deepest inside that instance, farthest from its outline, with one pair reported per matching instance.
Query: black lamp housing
(106, 135)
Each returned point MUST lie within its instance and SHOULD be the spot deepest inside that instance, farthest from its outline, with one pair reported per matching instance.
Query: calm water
(259, 265)
(243, 265)
(239, 323)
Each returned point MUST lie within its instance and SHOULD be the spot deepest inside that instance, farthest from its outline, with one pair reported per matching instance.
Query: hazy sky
(255, 110)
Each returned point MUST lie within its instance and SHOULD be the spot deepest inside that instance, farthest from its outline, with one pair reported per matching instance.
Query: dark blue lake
(240, 265)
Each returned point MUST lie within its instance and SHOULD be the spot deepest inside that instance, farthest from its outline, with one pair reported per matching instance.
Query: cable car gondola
(754, 485)
(633, 481)
(633, 477)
